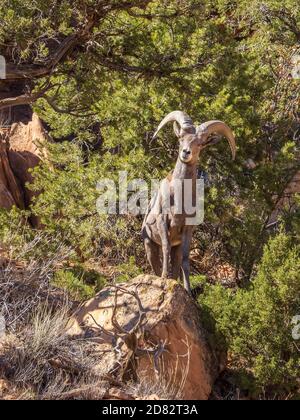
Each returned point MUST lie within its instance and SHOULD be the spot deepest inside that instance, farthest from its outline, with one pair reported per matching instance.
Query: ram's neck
(184, 171)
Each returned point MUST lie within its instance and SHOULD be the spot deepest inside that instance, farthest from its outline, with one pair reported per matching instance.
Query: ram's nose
(186, 153)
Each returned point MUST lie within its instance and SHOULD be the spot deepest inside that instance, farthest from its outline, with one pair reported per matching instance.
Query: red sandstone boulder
(186, 368)
(19, 153)
(10, 189)
(24, 153)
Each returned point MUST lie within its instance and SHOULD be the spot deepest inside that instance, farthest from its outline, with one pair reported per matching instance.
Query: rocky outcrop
(158, 323)
(19, 152)
(10, 191)
(24, 153)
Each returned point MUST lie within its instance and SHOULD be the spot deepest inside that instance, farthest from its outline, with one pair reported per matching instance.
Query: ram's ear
(176, 127)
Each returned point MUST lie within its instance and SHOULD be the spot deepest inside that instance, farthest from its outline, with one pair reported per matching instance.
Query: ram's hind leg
(176, 261)
(153, 256)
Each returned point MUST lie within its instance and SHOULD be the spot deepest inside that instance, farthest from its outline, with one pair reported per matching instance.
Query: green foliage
(79, 283)
(66, 205)
(215, 59)
(197, 281)
(256, 322)
(82, 284)
(127, 271)
(12, 228)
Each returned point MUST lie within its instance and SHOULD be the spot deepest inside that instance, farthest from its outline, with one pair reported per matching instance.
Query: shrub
(197, 281)
(127, 271)
(13, 229)
(78, 283)
(256, 322)
(66, 187)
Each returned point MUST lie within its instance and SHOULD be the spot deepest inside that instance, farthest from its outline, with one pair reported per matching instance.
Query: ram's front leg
(165, 243)
(186, 247)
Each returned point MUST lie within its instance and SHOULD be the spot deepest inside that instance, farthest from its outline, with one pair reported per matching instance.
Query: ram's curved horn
(182, 123)
(218, 127)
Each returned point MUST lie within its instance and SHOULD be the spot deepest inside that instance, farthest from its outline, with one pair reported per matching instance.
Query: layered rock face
(18, 154)
(171, 346)
(10, 189)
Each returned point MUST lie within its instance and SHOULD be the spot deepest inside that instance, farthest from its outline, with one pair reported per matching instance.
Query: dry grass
(37, 358)
(25, 283)
(42, 362)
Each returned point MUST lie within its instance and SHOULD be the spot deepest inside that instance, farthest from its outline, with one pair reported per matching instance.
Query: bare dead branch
(36, 71)
(26, 99)
(102, 329)
(142, 312)
(73, 112)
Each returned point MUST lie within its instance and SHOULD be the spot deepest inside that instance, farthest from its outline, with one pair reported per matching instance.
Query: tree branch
(36, 71)
(150, 16)
(26, 99)
(72, 112)
(118, 64)
(284, 16)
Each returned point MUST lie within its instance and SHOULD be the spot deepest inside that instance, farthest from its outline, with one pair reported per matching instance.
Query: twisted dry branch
(132, 337)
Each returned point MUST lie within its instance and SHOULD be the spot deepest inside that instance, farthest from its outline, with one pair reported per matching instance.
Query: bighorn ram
(165, 230)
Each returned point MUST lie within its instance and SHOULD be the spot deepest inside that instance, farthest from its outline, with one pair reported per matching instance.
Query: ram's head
(193, 139)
